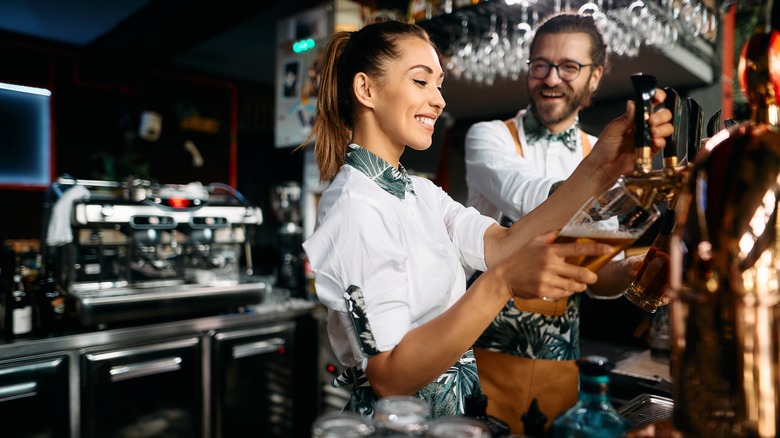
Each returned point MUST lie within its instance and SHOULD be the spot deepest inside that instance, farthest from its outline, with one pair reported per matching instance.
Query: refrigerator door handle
(17, 391)
(142, 369)
(257, 348)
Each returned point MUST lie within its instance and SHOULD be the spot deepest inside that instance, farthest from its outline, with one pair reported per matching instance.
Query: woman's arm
(536, 270)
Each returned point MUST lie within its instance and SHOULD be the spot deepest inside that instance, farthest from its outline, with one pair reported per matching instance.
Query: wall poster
(296, 72)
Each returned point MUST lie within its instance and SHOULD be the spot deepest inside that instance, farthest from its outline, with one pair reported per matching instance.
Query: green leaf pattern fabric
(394, 181)
(446, 394)
(535, 131)
(357, 313)
(533, 335)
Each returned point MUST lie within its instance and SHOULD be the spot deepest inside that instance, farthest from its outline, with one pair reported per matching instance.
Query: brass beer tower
(725, 299)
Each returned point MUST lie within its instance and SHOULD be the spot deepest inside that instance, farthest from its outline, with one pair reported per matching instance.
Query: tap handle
(714, 124)
(673, 103)
(695, 124)
(644, 90)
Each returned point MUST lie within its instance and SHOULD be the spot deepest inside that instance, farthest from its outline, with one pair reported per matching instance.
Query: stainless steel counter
(254, 315)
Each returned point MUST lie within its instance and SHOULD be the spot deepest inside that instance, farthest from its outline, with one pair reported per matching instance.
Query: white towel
(59, 232)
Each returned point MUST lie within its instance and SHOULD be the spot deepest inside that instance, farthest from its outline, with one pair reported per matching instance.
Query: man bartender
(512, 166)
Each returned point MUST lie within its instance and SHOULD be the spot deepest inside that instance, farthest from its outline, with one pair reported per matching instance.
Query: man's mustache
(545, 88)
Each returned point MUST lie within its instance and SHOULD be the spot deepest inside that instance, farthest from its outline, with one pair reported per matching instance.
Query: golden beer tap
(648, 184)
(647, 290)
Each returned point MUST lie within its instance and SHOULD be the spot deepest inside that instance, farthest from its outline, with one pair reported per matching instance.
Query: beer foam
(593, 233)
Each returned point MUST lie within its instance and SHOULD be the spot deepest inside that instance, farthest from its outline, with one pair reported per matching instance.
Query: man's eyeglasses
(567, 71)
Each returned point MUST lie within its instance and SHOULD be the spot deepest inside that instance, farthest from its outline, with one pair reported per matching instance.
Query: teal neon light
(303, 45)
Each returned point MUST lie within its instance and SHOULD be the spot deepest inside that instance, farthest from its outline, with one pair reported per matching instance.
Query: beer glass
(648, 290)
(615, 217)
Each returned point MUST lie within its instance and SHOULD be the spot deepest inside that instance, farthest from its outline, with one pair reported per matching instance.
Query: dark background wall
(96, 109)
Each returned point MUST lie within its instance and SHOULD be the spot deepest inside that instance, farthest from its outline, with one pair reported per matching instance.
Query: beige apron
(512, 382)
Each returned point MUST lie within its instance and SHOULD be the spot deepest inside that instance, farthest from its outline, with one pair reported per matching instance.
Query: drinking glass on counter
(342, 425)
(406, 415)
(615, 217)
(458, 427)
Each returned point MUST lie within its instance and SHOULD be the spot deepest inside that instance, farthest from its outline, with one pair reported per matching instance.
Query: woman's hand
(616, 276)
(613, 153)
(539, 268)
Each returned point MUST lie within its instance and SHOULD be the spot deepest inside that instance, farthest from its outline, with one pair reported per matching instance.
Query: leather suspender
(551, 308)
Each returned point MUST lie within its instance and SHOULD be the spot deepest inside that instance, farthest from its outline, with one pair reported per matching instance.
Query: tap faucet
(648, 184)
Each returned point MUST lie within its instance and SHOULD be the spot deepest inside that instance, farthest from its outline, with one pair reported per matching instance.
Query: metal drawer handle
(141, 369)
(20, 390)
(260, 347)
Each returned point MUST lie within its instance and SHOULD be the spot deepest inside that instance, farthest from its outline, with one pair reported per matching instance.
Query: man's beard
(548, 113)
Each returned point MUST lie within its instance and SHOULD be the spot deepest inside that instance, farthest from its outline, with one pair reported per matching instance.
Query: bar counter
(82, 337)
(236, 374)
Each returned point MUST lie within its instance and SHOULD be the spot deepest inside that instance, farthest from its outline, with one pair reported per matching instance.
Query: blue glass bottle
(593, 416)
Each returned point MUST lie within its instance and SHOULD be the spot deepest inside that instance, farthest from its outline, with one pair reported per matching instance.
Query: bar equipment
(714, 124)
(286, 205)
(131, 250)
(647, 184)
(491, 41)
(695, 124)
(648, 288)
(725, 298)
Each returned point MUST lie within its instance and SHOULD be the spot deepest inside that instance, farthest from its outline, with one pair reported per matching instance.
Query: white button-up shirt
(501, 182)
(405, 254)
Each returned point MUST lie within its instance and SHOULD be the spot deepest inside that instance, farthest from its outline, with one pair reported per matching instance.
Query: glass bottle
(534, 420)
(476, 407)
(593, 416)
(49, 303)
(647, 291)
(19, 306)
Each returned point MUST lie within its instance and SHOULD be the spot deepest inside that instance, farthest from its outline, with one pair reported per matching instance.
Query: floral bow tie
(535, 131)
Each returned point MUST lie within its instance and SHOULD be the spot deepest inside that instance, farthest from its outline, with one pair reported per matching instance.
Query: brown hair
(367, 50)
(574, 23)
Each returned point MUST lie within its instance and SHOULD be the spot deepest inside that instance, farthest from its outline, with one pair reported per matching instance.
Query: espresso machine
(131, 250)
